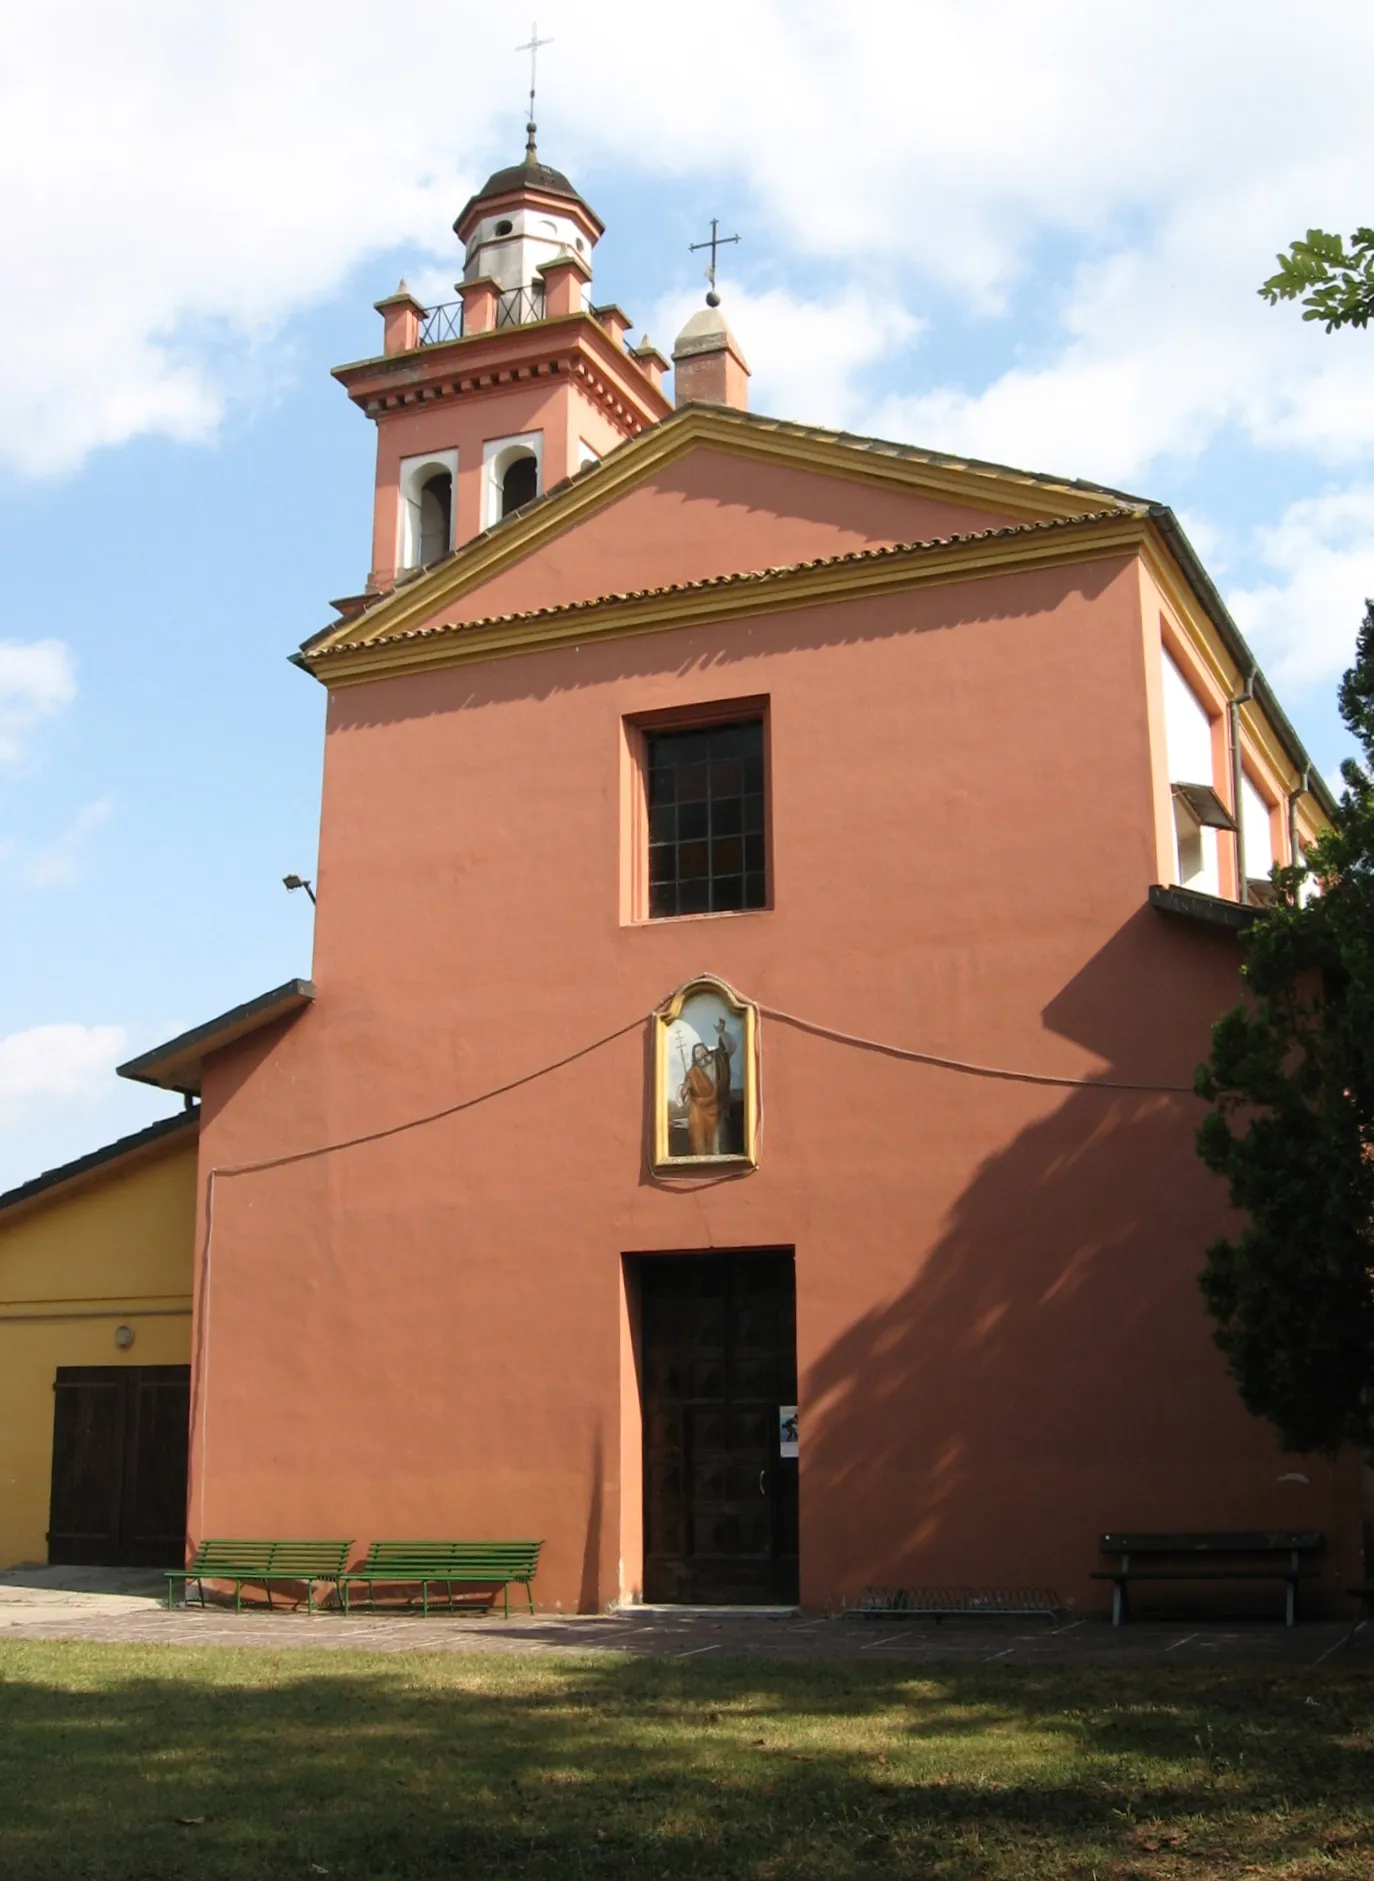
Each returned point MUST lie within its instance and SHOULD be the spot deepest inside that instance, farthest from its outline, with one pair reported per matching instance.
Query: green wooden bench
(264, 1561)
(1209, 1557)
(447, 1564)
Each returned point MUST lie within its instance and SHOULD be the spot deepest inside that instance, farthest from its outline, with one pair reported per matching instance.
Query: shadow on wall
(994, 600)
(1049, 1373)
(589, 1600)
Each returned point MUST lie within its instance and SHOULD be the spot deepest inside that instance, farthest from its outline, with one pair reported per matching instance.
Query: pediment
(707, 494)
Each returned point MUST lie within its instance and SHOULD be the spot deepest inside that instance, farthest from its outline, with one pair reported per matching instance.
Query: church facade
(774, 888)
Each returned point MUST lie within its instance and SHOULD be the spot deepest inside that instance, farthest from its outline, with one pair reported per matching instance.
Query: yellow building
(95, 1349)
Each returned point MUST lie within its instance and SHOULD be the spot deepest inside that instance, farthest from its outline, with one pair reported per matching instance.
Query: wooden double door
(119, 1465)
(718, 1368)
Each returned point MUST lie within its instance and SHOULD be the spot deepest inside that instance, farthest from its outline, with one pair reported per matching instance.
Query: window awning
(1204, 805)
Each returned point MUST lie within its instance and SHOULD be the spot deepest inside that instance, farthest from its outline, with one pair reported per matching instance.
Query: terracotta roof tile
(742, 578)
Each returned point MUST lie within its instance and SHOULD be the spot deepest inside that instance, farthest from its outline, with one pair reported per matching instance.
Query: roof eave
(154, 1140)
(178, 1065)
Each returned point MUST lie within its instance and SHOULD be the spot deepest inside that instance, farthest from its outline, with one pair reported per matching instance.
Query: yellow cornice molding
(976, 486)
(1193, 620)
(1191, 617)
(729, 598)
(698, 428)
(1259, 737)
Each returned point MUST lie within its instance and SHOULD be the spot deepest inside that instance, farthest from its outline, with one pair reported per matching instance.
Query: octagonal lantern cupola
(521, 219)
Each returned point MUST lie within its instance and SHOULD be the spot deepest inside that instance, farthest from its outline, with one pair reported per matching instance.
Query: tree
(1335, 284)
(1291, 1083)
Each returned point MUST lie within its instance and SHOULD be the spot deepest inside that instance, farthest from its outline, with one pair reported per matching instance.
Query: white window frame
(498, 454)
(414, 473)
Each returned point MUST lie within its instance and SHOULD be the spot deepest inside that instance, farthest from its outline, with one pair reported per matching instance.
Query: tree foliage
(1333, 282)
(1291, 1129)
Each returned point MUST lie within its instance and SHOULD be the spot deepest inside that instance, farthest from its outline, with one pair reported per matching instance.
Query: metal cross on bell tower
(717, 241)
(532, 45)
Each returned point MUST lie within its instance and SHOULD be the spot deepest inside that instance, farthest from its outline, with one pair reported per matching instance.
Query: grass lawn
(147, 1763)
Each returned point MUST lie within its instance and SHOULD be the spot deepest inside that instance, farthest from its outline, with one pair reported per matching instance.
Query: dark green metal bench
(447, 1564)
(1276, 1555)
(267, 1562)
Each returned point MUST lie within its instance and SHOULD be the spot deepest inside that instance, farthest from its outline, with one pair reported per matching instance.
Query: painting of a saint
(705, 1093)
(705, 1075)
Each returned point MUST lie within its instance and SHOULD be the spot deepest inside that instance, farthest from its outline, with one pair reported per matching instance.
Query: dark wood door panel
(89, 1407)
(119, 1465)
(154, 1524)
(718, 1357)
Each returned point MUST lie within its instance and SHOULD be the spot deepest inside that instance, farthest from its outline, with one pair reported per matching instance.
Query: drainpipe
(1243, 697)
(1295, 797)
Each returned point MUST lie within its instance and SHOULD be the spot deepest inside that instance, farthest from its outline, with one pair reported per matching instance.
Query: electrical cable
(964, 1065)
(818, 1029)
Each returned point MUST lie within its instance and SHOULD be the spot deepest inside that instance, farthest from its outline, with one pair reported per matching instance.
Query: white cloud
(1159, 347)
(179, 180)
(36, 680)
(56, 1062)
(1303, 623)
(806, 356)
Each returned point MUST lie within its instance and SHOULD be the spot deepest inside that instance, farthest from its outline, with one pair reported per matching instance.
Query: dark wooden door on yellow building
(119, 1465)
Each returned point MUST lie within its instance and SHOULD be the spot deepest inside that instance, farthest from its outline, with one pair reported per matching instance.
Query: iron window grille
(706, 820)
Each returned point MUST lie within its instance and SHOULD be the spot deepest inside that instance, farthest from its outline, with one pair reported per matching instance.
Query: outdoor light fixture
(293, 882)
(124, 1337)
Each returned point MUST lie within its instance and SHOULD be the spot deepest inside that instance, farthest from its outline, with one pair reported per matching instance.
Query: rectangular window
(706, 814)
(1257, 828)
(1198, 811)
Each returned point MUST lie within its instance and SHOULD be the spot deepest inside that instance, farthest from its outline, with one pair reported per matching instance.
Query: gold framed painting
(705, 1095)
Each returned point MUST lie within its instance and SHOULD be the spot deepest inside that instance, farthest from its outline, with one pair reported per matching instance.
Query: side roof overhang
(1211, 910)
(117, 1158)
(178, 1065)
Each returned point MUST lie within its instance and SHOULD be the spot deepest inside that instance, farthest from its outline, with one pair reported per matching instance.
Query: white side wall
(1188, 737)
(1258, 829)
(1187, 730)
(513, 260)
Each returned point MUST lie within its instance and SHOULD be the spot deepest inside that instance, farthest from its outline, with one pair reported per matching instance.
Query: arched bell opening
(436, 516)
(425, 508)
(519, 482)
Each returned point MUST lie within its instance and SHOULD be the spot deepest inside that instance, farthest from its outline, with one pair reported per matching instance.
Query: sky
(1032, 234)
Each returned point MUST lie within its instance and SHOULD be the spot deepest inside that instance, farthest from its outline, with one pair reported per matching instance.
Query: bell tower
(483, 403)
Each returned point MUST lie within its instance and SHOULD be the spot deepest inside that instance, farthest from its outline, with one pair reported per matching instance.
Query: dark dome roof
(531, 174)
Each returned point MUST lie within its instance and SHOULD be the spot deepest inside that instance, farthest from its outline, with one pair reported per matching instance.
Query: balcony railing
(441, 323)
(521, 306)
(518, 307)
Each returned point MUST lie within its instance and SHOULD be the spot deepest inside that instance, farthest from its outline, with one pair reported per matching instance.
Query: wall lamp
(293, 882)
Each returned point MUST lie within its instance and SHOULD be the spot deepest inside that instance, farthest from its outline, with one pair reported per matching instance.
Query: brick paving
(123, 1608)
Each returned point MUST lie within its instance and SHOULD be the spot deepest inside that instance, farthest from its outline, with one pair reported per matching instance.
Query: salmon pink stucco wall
(1002, 1349)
